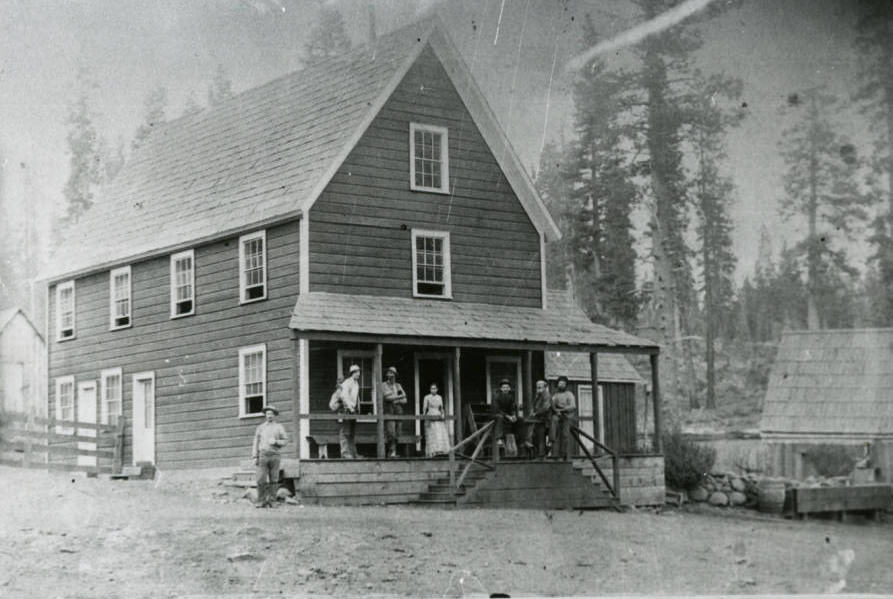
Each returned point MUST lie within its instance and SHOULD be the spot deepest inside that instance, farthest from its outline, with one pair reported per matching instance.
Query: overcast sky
(774, 46)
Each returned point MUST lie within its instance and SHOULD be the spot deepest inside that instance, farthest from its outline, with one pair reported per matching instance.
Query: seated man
(564, 409)
(542, 417)
(505, 411)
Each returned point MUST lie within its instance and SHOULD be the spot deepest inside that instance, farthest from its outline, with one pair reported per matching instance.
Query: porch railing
(614, 488)
(481, 435)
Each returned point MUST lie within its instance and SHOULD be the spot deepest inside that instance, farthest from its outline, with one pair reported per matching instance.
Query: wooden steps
(439, 492)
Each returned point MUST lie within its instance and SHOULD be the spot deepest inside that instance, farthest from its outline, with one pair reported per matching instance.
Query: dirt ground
(71, 536)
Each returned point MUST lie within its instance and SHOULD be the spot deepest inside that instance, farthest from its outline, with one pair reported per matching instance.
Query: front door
(434, 368)
(86, 414)
(144, 417)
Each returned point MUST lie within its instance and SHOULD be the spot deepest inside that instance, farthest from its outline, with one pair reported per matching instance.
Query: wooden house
(612, 417)
(22, 365)
(368, 210)
(832, 387)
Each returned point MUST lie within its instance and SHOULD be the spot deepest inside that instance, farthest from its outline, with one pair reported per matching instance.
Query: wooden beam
(368, 338)
(528, 383)
(457, 393)
(593, 373)
(296, 393)
(379, 400)
(655, 400)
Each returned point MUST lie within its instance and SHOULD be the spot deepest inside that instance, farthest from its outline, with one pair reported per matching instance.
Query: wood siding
(194, 358)
(22, 368)
(360, 228)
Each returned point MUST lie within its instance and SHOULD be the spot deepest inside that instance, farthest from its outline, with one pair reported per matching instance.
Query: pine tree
(154, 107)
(85, 157)
(551, 183)
(221, 87)
(328, 37)
(874, 45)
(713, 195)
(821, 190)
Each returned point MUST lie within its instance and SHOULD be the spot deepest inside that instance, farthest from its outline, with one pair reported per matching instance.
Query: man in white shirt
(350, 394)
(269, 439)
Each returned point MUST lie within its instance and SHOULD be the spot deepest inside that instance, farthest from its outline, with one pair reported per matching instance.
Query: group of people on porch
(545, 431)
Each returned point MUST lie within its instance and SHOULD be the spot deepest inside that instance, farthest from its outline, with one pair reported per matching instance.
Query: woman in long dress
(437, 438)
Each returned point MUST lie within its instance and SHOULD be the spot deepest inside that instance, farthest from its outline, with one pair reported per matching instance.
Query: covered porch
(465, 349)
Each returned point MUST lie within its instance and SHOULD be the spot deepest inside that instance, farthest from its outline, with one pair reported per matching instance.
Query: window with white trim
(183, 284)
(119, 298)
(65, 398)
(252, 380)
(429, 163)
(431, 264)
(368, 389)
(111, 400)
(504, 367)
(65, 310)
(253, 267)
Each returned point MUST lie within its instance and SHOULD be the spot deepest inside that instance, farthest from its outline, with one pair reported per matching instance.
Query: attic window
(65, 311)
(429, 163)
(119, 298)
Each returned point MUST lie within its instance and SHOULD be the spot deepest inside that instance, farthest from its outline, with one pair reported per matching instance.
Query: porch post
(296, 392)
(655, 400)
(302, 400)
(528, 383)
(379, 401)
(457, 394)
(593, 373)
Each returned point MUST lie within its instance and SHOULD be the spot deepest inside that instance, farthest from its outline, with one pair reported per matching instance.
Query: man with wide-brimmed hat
(564, 409)
(394, 398)
(350, 397)
(269, 439)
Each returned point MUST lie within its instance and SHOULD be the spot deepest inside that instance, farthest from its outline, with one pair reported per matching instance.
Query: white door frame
(598, 409)
(448, 397)
(518, 387)
(143, 439)
(84, 413)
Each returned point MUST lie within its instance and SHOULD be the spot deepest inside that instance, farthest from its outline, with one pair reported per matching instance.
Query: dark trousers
(539, 437)
(347, 438)
(519, 428)
(392, 428)
(267, 469)
(560, 434)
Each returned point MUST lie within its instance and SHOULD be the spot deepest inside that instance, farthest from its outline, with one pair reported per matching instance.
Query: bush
(685, 462)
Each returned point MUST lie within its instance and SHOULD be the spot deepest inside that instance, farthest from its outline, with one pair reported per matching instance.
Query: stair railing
(576, 433)
(481, 434)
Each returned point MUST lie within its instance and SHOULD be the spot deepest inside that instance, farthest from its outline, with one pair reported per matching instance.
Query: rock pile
(727, 489)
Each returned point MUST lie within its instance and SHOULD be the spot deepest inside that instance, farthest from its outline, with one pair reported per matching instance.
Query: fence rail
(31, 441)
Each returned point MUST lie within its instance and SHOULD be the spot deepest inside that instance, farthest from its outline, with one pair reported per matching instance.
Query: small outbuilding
(830, 392)
(22, 364)
(612, 419)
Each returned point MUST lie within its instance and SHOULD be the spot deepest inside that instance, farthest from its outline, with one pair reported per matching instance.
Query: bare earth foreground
(67, 535)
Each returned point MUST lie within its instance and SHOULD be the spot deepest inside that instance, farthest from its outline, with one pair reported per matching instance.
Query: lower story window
(252, 380)
(363, 359)
(111, 396)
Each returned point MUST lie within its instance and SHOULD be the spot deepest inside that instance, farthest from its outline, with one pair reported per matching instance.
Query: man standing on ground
(350, 395)
(394, 399)
(564, 407)
(542, 414)
(269, 439)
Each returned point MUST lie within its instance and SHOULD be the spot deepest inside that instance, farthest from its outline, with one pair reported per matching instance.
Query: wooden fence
(30, 441)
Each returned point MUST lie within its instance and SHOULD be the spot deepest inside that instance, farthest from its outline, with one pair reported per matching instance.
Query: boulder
(738, 485)
(250, 495)
(737, 498)
(699, 494)
(719, 499)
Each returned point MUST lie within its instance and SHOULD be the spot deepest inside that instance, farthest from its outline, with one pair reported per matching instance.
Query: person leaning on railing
(564, 409)
(542, 415)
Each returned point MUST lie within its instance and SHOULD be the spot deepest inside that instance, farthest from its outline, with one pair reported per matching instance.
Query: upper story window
(65, 310)
(252, 380)
(429, 160)
(431, 264)
(110, 392)
(119, 298)
(253, 267)
(183, 284)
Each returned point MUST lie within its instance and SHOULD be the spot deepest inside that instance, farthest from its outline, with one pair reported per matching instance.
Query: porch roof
(562, 325)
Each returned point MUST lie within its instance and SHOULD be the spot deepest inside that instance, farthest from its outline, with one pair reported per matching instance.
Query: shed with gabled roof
(829, 387)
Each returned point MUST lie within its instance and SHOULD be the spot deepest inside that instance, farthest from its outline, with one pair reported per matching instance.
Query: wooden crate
(870, 498)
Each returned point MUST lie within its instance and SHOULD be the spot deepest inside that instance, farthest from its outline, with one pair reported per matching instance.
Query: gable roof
(266, 155)
(612, 368)
(8, 314)
(562, 324)
(831, 382)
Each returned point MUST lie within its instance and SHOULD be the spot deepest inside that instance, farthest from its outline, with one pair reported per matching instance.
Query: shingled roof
(265, 155)
(836, 382)
(563, 323)
(612, 368)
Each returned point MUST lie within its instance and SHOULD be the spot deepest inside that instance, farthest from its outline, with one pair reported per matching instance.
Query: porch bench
(322, 440)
